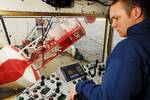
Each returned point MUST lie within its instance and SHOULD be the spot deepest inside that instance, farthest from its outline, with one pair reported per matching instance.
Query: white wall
(92, 44)
(18, 29)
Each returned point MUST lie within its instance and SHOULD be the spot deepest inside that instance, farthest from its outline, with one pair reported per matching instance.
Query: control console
(57, 85)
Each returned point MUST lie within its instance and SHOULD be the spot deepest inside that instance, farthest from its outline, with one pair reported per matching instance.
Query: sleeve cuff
(81, 84)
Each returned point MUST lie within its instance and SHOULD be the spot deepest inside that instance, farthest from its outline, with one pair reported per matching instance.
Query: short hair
(129, 4)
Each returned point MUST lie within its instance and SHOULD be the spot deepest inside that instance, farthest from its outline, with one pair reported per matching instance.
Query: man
(127, 75)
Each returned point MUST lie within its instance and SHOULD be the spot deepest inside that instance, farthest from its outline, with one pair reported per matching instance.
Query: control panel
(57, 85)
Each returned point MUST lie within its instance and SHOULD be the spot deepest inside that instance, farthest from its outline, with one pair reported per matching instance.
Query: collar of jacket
(142, 28)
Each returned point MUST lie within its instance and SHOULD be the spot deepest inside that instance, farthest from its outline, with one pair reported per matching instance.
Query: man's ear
(136, 12)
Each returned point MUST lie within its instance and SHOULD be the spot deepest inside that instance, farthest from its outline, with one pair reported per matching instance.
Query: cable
(106, 3)
(95, 66)
(48, 28)
(44, 35)
(42, 41)
(5, 29)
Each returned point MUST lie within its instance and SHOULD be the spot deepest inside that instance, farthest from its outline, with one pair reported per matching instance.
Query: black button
(34, 90)
(74, 82)
(27, 92)
(57, 90)
(48, 78)
(38, 87)
(36, 96)
(62, 97)
(53, 75)
(45, 90)
(21, 98)
(53, 95)
(58, 84)
(57, 78)
(31, 98)
(52, 81)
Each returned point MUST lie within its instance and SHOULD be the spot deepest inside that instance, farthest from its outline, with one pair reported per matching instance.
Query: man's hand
(72, 94)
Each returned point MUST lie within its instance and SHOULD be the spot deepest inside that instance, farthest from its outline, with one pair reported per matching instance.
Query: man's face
(121, 21)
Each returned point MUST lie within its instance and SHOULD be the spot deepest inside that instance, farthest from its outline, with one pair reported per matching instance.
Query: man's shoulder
(126, 49)
(125, 44)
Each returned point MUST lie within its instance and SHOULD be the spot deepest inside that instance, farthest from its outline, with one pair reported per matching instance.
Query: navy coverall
(127, 75)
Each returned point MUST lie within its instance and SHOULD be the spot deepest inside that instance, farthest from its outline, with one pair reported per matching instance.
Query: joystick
(42, 80)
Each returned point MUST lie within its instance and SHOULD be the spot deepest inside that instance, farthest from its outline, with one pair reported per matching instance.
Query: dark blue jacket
(127, 75)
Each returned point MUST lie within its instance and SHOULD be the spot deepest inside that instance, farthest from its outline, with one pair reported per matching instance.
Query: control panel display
(72, 71)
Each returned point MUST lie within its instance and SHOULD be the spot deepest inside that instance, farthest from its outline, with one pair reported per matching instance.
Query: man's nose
(113, 24)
